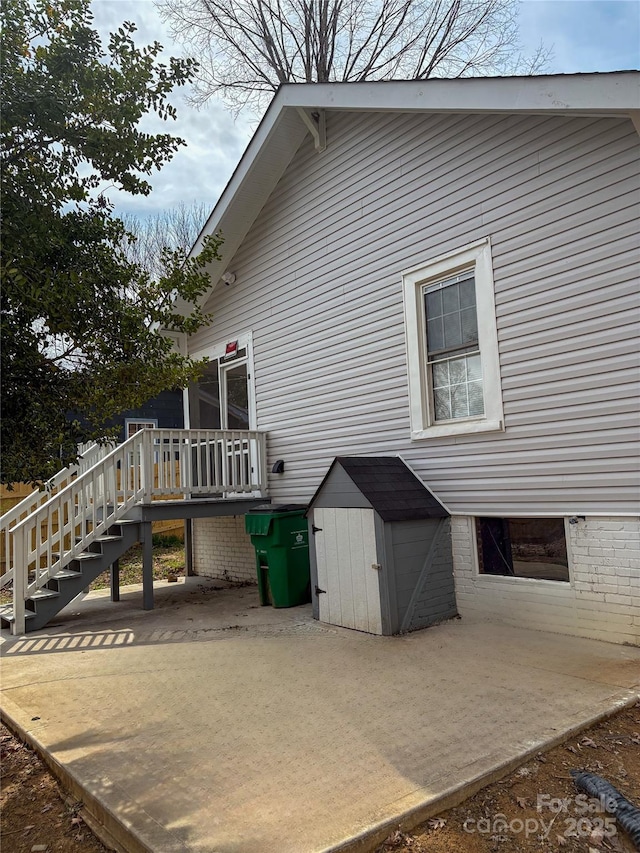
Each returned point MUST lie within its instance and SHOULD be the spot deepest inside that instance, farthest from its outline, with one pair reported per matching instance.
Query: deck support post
(114, 570)
(147, 566)
(188, 548)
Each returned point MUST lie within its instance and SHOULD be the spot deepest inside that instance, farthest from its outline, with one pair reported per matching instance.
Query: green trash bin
(280, 537)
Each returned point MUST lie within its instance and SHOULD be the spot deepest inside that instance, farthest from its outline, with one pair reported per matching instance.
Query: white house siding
(601, 602)
(319, 285)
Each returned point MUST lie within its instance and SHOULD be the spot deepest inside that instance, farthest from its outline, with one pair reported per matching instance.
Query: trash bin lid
(277, 508)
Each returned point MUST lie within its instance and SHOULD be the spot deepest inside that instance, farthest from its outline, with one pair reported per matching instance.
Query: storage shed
(380, 548)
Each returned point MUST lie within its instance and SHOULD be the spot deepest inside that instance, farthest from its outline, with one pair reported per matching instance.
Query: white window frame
(148, 422)
(477, 257)
(245, 341)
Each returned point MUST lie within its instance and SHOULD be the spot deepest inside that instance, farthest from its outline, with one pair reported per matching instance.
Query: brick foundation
(602, 600)
(222, 549)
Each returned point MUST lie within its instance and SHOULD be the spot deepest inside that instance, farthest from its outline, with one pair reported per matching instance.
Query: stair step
(108, 537)
(42, 594)
(6, 613)
(83, 555)
(65, 573)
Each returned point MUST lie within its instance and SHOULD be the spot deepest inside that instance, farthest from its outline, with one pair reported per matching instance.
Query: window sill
(480, 576)
(460, 428)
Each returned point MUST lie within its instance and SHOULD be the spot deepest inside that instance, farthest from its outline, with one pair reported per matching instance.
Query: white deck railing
(88, 456)
(153, 463)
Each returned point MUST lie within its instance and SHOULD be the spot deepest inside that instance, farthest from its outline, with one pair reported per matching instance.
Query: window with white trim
(132, 426)
(452, 344)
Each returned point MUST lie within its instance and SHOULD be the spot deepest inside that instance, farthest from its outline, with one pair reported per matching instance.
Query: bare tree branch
(173, 229)
(247, 48)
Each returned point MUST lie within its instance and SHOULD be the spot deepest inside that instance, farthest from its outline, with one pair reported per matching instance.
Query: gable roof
(297, 106)
(392, 489)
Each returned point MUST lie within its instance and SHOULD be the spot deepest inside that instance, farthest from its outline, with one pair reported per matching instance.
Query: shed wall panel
(319, 284)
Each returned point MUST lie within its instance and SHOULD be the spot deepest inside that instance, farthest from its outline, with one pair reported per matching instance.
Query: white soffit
(282, 131)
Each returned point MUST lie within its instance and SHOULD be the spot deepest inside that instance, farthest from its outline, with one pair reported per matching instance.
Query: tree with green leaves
(82, 324)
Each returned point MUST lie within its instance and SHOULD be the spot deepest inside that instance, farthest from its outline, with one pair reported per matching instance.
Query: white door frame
(245, 340)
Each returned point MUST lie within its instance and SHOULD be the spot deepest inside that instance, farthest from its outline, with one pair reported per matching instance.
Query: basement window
(534, 548)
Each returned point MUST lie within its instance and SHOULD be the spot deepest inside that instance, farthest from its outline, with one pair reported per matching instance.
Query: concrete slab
(212, 724)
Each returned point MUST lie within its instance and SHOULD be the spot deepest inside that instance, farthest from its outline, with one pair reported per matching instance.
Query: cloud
(586, 35)
(215, 141)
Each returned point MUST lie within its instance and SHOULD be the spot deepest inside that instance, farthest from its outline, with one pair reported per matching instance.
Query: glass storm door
(220, 398)
(234, 409)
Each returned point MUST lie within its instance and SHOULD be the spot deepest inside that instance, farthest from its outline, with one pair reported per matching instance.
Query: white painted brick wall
(602, 601)
(222, 549)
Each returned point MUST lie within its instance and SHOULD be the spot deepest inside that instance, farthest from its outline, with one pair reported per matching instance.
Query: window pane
(440, 374)
(442, 404)
(433, 303)
(459, 401)
(467, 291)
(435, 334)
(539, 548)
(533, 548)
(452, 330)
(450, 300)
(476, 398)
(469, 325)
(461, 377)
(451, 316)
(474, 367)
(457, 370)
(237, 397)
(204, 399)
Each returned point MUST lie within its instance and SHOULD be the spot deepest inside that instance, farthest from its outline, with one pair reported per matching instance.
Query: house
(446, 271)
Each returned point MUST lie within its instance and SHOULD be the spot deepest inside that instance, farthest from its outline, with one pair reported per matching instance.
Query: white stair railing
(153, 463)
(88, 455)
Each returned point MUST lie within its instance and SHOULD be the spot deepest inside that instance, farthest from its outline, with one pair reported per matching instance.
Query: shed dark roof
(392, 489)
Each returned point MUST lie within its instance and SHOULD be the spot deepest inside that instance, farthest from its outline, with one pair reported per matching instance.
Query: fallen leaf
(47, 808)
(437, 822)
(541, 758)
(522, 802)
(76, 821)
(561, 840)
(587, 741)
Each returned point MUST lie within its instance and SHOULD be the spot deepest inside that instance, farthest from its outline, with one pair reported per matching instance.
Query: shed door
(345, 553)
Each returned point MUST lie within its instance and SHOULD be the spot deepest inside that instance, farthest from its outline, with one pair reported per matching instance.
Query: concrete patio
(212, 724)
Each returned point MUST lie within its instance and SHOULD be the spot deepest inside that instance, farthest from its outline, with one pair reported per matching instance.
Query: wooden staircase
(58, 541)
(66, 584)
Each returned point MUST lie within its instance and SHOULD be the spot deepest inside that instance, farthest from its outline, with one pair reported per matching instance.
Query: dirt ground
(34, 814)
(502, 818)
(537, 808)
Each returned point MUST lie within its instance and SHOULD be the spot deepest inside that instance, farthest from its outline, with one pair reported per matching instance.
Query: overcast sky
(586, 35)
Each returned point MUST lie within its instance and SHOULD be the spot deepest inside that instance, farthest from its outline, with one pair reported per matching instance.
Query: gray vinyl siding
(319, 285)
(422, 573)
(340, 491)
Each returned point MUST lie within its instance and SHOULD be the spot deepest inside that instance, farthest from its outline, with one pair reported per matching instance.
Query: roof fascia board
(615, 93)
